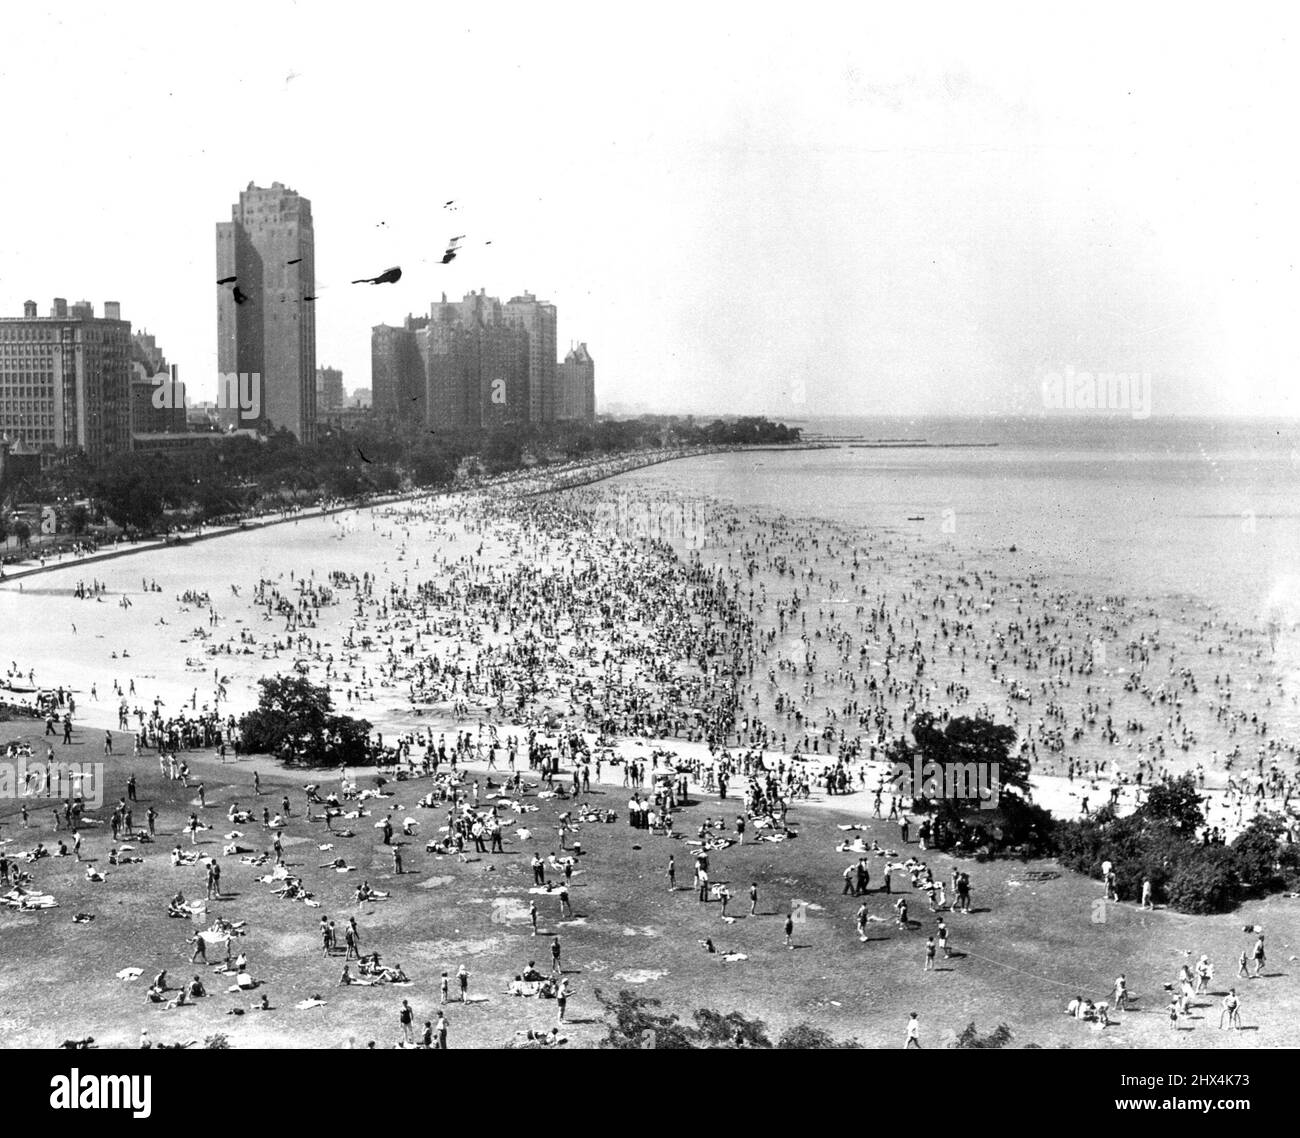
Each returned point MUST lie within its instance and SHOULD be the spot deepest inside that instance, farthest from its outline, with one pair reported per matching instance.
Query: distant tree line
(142, 492)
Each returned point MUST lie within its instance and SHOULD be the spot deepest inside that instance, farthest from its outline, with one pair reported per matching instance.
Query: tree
(294, 720)
(959, 766)
(23, 532)
(637, 1025)
(78, 520)
(1177, 802)
(131, 493)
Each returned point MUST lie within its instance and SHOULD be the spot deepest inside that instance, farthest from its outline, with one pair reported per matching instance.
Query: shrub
(1259, 853)
(970, 1038)
(730, 1030)
(806, 1037)
(1205, 880)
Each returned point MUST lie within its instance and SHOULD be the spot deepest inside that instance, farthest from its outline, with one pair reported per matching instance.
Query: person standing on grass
(462, 979)
(789, 930)
(1257, 958)
(562, 998)
(1121, 993)
(753, 898)
(1231, 1010)
(862, 922)
(1146, 894)
(929, 955)
(406, 1018)
(941, 932)
(672, 874)
(397, 860)
(440, 1031)
(913, 1033)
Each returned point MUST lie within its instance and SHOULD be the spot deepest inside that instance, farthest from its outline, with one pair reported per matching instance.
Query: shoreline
(259, 522)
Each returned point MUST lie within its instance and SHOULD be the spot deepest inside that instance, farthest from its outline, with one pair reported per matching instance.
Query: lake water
(1208, 509)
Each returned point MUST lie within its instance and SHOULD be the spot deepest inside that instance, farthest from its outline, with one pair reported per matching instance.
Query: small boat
(918, 518)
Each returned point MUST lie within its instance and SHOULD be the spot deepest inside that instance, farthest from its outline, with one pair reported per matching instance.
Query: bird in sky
(388, 276)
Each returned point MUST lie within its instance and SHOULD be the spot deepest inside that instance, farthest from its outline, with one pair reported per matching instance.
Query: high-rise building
(537, 318)
(329, 389)
(157, 395)
(576, 381)
(65, 379)
(397, 380)
(266, 320)
(477, 365)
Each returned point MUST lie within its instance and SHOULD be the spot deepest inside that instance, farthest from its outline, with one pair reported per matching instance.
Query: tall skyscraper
(397, 380)
(65, 379)
(537, 318)
(576, 382)
(266, 325)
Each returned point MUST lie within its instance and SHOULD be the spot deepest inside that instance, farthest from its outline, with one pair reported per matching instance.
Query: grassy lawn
(1037, 935)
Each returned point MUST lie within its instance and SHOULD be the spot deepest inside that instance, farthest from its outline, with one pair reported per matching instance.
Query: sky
(742, 208)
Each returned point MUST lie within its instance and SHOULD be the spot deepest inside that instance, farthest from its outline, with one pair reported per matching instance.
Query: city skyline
(911, 216)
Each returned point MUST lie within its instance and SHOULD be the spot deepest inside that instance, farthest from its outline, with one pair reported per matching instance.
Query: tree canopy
(294, 721)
